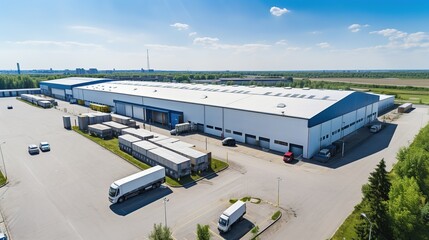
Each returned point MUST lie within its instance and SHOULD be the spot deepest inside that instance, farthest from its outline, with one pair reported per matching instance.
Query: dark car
(229, 141)
(9, 107)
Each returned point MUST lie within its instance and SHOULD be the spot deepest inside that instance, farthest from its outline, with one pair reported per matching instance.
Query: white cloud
(192, 34)
(65, 44)
(357, 27)
(391, 33)
(276, 11)
(315, 32)
(281, 42)
(323, 45)
(180, 26)
(206, 41)
(213, 43)
(165, 47)
(90, 30)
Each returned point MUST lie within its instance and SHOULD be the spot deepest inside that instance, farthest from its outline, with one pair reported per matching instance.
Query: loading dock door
(160, 117)
(138, 112)
(129, 110)
(251, 139)
(296, 149)
(264, 142)
(120, 108)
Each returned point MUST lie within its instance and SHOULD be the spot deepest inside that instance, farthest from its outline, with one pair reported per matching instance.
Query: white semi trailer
(137, 183)
(231, 215)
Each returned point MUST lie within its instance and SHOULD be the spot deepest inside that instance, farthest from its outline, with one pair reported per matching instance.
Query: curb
(201, 178)
(263, 230)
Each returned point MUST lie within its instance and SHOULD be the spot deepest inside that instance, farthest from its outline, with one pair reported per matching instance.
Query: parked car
(44, 146)
(173, 132)
(288, 157)
(375, 128)
(229, 141)
(33, 149)
(3, 236)
(9, 107)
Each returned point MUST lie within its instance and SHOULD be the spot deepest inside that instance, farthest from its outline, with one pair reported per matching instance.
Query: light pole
(165, 211)
(278, 191)
(370, 224)
(4, 166)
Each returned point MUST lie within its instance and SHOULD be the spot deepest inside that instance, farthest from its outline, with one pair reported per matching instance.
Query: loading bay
(62, 194)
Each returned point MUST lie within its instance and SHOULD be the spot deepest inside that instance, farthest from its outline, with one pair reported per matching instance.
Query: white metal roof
(145, 145)
(138, 175)
(295, 102)
(129, 138)
(170, 155)
(74, 80)
(115, 125)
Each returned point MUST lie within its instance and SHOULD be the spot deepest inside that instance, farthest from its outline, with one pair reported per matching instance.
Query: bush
(276, 215)
(233, 200)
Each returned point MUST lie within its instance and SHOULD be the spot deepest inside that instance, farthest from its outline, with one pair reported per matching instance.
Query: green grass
(275, 215)
(113, 146)
(403, 95)
(245, 199)
(233, 200)
(2, 179)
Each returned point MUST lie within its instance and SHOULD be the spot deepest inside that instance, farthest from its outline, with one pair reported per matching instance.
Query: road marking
(196, 214)
(217, 235)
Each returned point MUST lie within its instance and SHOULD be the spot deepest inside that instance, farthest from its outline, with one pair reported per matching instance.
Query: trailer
(404, 108)
(100, 130)
(126, 142)
(231, 215)
(135, 184)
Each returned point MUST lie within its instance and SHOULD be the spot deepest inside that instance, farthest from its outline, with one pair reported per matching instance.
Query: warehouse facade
(282, 119)
(62, 88)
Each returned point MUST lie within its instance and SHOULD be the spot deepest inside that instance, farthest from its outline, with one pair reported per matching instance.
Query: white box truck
(231, 215)
(137, 183)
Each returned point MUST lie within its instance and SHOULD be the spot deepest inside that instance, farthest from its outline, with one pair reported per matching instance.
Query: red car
(288, 157)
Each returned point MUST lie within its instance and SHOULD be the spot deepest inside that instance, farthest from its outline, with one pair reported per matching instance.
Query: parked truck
(137, 183)
(231, 215)
(181, 128)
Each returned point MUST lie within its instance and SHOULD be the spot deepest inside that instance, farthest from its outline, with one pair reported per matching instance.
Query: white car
(32, 149)
(44, 146)
(3, 236)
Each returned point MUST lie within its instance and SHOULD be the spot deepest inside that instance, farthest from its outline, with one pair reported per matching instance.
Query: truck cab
(288, 157)
(231, 215)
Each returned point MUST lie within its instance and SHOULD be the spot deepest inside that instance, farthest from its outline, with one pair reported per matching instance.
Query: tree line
(396, 205)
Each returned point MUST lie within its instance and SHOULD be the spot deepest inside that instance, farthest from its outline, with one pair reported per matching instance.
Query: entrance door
(296, 149)
(264, 142)
(251, 139)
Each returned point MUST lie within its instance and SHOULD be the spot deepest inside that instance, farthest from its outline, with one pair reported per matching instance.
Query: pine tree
(203, 232)
(160, 232)
(376, 194)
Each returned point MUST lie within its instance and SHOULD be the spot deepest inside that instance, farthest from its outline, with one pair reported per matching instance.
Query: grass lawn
(402, 95)
(113, 146)
(2, 179)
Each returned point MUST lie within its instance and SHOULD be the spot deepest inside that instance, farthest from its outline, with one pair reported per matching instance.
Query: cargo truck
(182, 128)
(137, 183)
(231, 215)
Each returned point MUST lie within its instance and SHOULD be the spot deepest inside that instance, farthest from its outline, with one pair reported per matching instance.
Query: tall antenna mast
(147, 54)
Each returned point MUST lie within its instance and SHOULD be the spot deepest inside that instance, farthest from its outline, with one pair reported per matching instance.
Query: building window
(208, 126)
(227, 131)
(218, 128)
(281, 142)
(237, 133)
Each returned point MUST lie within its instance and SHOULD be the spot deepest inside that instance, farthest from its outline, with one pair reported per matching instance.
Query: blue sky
(215, 34)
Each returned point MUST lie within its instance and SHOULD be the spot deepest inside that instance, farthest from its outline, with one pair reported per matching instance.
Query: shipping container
(176, 165)
(126, 141)
(67, 122)
(140, 133)
(100, 130)
(116, 127)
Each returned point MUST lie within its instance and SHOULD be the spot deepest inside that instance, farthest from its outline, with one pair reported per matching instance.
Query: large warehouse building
(282, 119)
(62, 88)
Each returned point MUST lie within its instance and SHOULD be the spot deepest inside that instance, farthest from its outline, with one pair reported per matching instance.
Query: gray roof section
(71, 81)
(170, 155)
(293, 102)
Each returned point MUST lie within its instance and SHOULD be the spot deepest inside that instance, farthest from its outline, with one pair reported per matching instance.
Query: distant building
(80, 71)
(92, 71)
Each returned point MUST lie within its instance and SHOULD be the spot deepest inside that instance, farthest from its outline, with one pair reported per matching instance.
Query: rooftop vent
(281, 105)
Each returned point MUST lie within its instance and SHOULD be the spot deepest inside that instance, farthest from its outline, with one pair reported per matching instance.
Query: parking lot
(62, 194)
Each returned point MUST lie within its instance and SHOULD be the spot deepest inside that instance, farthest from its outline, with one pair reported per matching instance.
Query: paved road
(62, 194)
